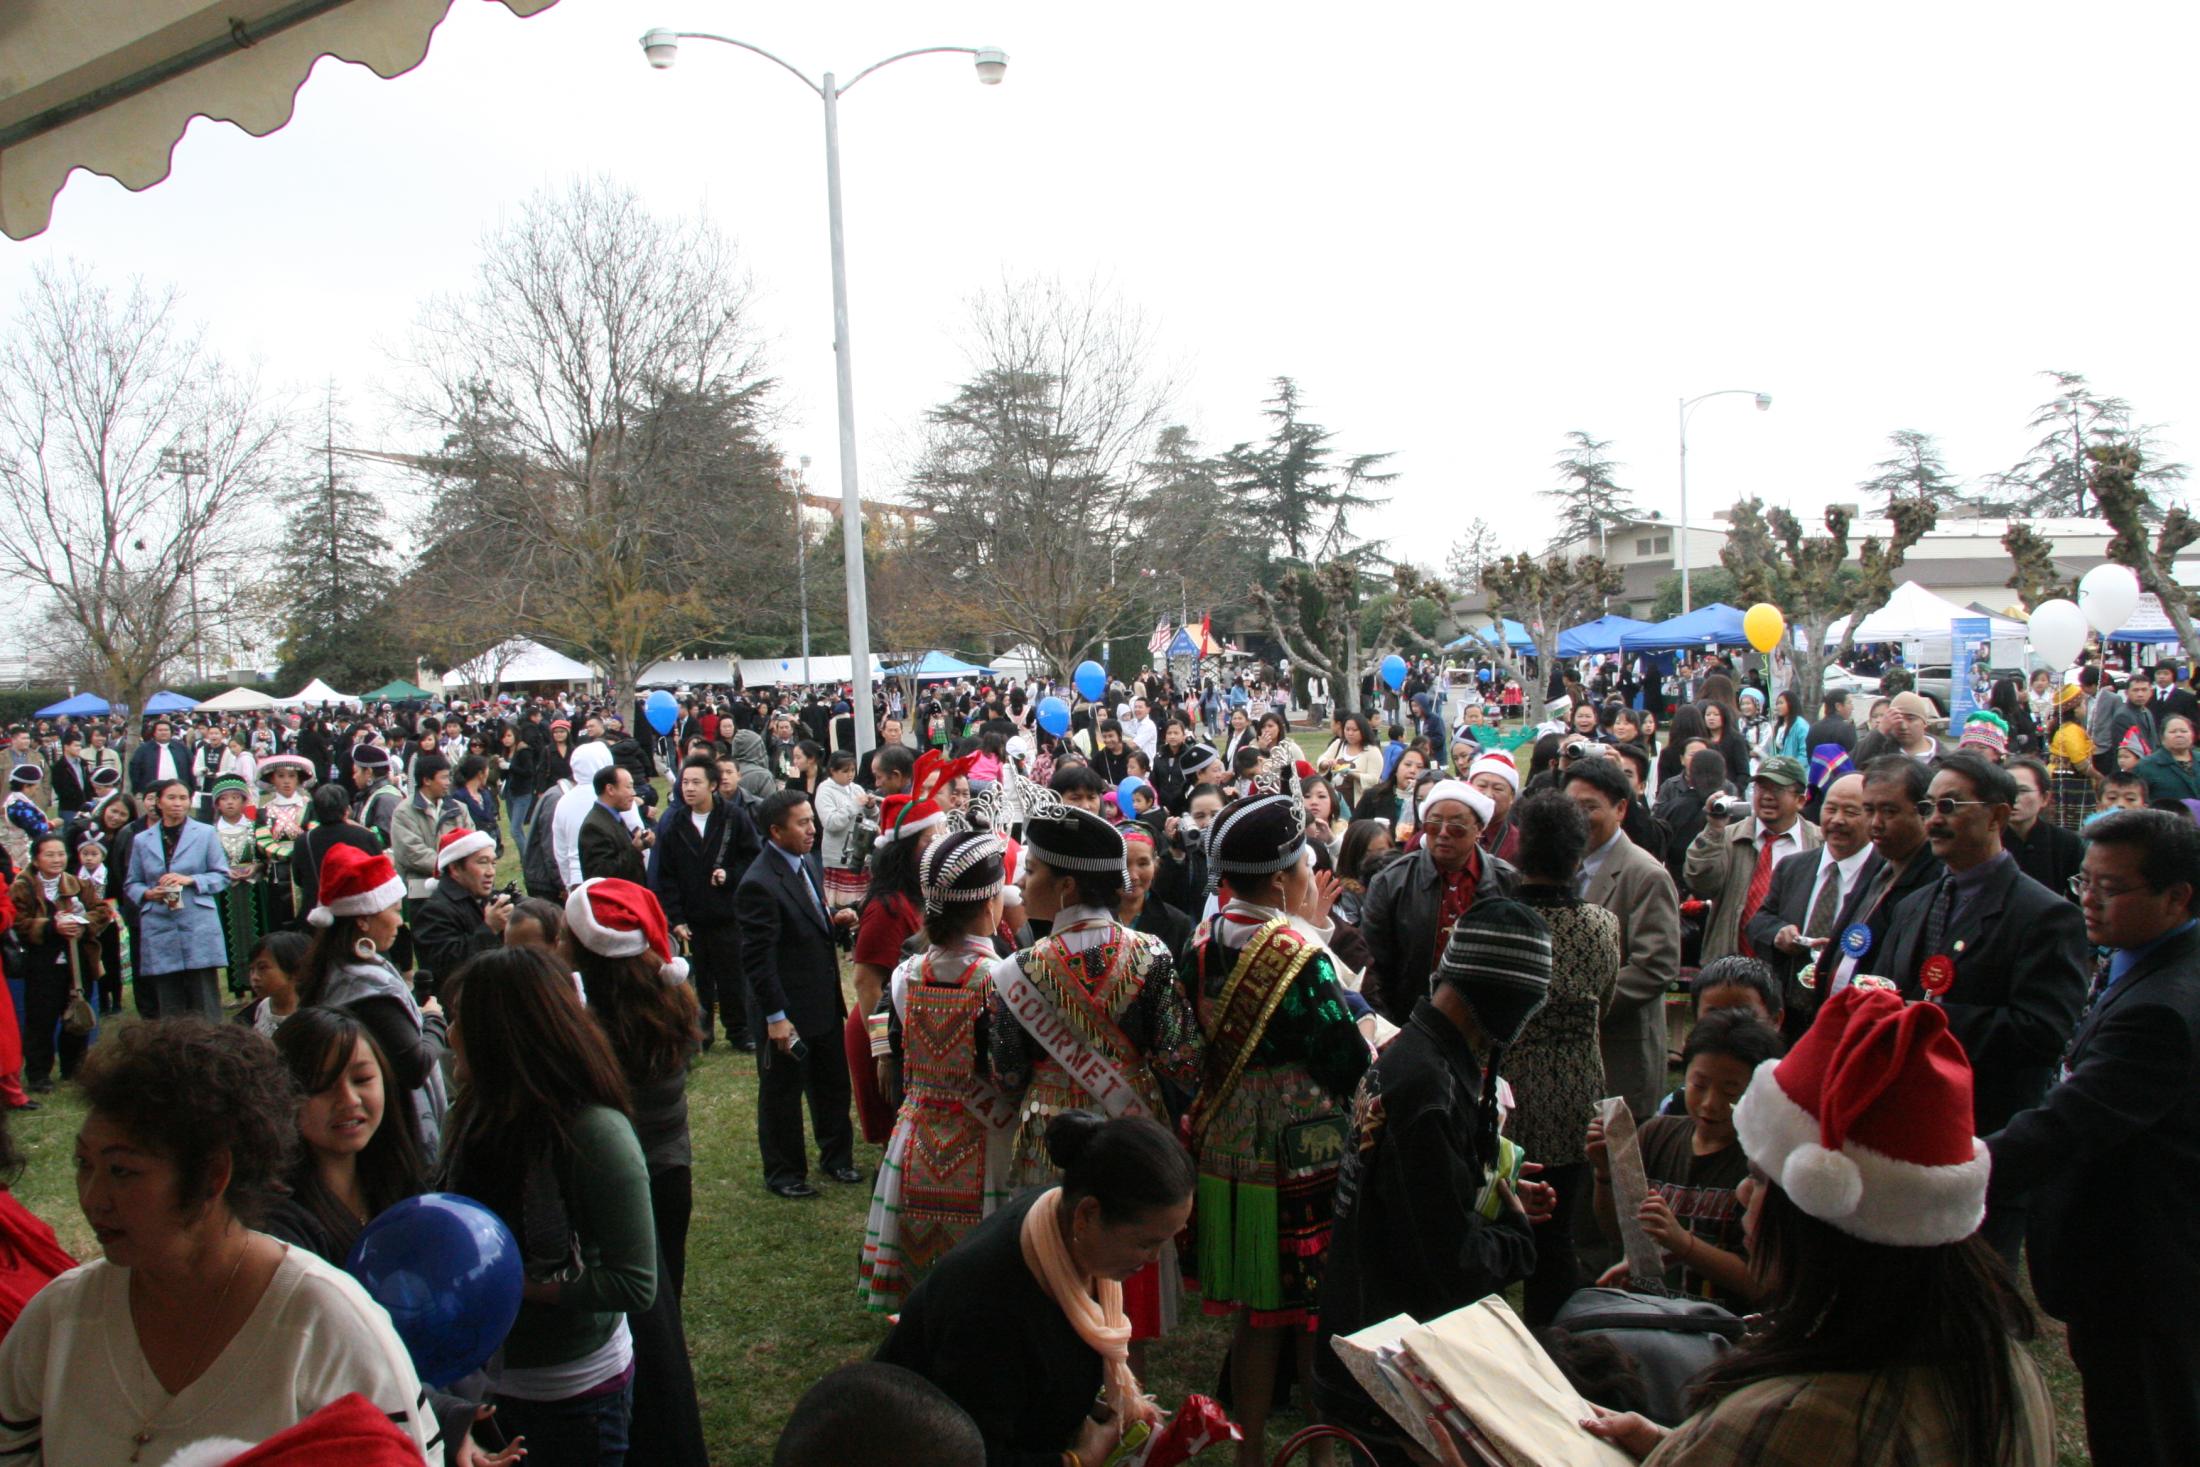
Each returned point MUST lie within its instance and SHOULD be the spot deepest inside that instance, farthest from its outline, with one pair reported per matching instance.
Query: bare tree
(1546, 596)
(133, 462)
(2119, 485)
(604, 485)
(1035, 478)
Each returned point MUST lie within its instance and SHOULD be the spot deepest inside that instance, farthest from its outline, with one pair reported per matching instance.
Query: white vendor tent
(775, 672)
(518, 661)
(240, 700)
(314, 695)
(1023, 660)
(1913, 614)
(682, 672)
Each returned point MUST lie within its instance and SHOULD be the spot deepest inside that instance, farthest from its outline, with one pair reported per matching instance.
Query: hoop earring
(365, 950)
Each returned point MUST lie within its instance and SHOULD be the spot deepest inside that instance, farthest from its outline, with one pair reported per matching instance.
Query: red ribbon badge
(1937, 976)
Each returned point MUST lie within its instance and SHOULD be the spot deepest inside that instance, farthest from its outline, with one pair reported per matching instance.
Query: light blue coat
(191, 935)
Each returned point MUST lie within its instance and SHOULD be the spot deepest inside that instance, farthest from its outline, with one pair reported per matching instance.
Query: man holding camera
(459, 917)
(1732, 858)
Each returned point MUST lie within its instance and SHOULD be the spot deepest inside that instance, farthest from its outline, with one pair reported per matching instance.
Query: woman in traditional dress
(1097, 994)
(946, 1159)
(1283, 1056)
(281, 821)
(242, 919)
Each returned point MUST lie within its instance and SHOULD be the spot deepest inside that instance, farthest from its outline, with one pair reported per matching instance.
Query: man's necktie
(1760, 882)
(1936, 920)
(1822, 910)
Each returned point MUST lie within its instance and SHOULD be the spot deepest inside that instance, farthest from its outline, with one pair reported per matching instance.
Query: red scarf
(1458, 898)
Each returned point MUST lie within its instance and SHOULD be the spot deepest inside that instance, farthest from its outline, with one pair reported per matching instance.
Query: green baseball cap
(1780, 769)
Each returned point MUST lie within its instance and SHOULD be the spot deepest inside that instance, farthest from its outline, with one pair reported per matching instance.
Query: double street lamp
(1688, 405)
(662, 47)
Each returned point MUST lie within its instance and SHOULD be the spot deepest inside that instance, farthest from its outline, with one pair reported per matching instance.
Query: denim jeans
(519, 807)
(585, 1431)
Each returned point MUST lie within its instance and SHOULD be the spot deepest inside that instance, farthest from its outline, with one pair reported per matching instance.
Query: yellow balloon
(1764, 626)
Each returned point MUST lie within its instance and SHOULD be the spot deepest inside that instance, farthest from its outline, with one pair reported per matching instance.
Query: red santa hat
(900, 815)
(350, 1429)
(1499, 763)
(355, 884)
(1867, 1123)
(617, 919)
(457, 845)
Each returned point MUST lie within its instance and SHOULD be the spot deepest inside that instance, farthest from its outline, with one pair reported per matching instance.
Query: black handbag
(1670, 1340)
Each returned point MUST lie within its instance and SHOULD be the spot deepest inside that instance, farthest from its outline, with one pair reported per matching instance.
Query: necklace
(145, 1432)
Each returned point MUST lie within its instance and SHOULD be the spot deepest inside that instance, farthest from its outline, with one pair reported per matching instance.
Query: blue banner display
(1970, 655)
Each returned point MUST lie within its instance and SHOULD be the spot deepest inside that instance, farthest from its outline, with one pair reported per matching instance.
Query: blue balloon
(1394, 672)
(662, 710)
(1091, 681)
(448, 1271)
(1131, 785)
(1054, 716)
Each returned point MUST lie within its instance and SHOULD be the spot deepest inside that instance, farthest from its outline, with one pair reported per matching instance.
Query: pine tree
(335, 576)
(2055, 477)
(1915, 471)
(1592, 503)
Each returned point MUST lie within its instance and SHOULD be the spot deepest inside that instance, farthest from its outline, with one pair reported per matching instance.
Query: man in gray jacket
(419, 823)
(1635, 887)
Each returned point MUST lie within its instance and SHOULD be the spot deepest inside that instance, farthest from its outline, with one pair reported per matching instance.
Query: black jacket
(1398, 919)
(2020, 981)
(1924, 869)
(787, 950)
(2050, 855)
(1831, 730)
(2110, 1160)
(607, 848)
(1407, 1238)
(448, 928)
(681, 864)
(1787, 902)
(145, 761)
(72, 788)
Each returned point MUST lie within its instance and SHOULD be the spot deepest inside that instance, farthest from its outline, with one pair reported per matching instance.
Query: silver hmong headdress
(953, 868)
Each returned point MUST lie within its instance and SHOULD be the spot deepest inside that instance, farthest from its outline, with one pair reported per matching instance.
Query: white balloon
(2108, 594)
(2058, 632)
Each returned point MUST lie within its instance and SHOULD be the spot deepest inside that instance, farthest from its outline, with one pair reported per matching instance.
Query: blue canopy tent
(83, 705)
(167, 702)
(937, 667)
(1516, 637)
(1601, 635)
(1716, 625)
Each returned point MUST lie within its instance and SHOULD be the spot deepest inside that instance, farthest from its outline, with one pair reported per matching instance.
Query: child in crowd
(2122, 790)
(91, 864)
(2130, 750)
(1731, 982)
(274, 965)
(1695, 1163)
(1394, 745)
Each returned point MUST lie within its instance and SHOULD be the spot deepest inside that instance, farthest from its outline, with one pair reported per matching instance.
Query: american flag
(1158, 643)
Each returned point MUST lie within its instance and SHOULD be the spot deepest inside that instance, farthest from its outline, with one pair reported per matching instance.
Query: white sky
(1465, 229)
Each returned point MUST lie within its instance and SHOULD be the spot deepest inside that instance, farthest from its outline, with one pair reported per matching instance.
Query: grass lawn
(771, 1292)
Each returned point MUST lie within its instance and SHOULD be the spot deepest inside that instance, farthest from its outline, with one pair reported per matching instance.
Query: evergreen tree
(336, 582)
(2055, 477)
(1292, 481)
(1591, 502)
(1914, 471)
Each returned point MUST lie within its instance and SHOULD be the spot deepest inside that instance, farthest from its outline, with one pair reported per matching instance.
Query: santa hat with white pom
(1866, 1124)
(617, 919)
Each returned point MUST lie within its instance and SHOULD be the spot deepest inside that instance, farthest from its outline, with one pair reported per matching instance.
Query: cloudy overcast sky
(1465, 229)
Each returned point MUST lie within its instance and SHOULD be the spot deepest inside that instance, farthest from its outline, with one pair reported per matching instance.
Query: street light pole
(801, 565)
(1688, 404)
(662, 49)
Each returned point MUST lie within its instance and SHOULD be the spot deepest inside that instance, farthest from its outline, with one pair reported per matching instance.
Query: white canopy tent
(518, 661)
(1914, 614)
(110, 85)
(1023, 660)
(314, 695)
(240, 700)
(681, 672)
(777, 672)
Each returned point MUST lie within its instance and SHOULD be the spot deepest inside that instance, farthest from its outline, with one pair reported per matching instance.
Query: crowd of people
(1185, 1005)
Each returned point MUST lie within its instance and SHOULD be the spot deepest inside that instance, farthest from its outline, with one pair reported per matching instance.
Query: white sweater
(75, 1388)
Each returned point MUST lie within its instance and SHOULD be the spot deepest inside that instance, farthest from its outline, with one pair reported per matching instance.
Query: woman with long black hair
(1893, 1333)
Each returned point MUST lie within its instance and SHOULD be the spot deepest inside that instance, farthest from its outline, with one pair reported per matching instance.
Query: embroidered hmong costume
(243, 917)
(26, 822)
(276, 831)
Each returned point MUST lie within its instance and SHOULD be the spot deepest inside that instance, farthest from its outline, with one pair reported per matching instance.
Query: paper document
(1623, 1153)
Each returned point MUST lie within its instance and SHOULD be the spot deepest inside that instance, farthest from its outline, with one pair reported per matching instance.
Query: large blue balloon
(1091, 681)
(1394, 672)
(662, 710)
(448, 1271)
(1054, 716)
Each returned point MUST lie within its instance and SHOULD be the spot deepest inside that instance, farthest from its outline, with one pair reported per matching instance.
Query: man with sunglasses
(2004, 956)
(1412, 903)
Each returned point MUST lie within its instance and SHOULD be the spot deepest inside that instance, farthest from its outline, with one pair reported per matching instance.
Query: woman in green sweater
(2170, 771)
(541, 1133)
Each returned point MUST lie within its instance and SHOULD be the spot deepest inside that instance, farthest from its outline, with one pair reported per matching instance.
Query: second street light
(1688, 405)
(662, 47)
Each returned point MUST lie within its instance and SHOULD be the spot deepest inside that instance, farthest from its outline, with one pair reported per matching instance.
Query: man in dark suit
(160, 758)
(795, 1004)
(704, 847)
(71, 776)
(1833, 725)
(1805, 899)
(2108, 1165)
(607, 846)
(1901, 864)
(2004, 956)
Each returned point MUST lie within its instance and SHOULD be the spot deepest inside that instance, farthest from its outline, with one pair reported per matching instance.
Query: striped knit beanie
(1499, 958)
